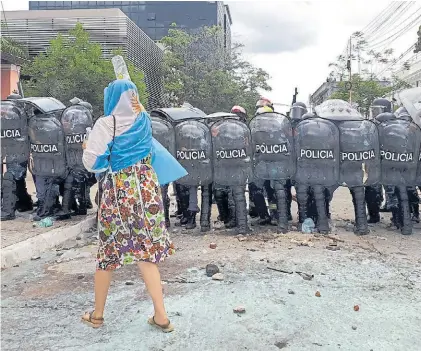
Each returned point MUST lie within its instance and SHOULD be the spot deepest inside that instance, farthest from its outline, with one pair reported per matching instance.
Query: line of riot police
(314, 152)
(44, 135)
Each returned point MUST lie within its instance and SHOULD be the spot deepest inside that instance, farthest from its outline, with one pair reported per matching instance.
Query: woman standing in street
(131, 214)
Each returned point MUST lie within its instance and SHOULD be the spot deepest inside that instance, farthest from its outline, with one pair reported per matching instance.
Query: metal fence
(109, 27)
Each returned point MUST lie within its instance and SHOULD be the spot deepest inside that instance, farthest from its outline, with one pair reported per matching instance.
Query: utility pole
(294, 97)
(349, 69)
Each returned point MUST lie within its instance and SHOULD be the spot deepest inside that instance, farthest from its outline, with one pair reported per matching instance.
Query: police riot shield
(399, 150)
(359, 143)
(163, 131)
(14, 134)
(359, 154)
(232, 151)
(274, 156)
(317, 149)
(273, 147)
(232, 156)
(194, 152)
(74, 120)
(47, 140)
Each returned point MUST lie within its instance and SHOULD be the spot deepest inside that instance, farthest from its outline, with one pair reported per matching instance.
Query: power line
(379, 17)
(387, 29)
(407, 51)
(385, 18)
(398, 34)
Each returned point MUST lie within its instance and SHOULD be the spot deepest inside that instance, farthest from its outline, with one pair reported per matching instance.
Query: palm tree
(11, 47)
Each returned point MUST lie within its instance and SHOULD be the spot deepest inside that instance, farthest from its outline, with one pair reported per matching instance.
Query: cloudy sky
(296, 40)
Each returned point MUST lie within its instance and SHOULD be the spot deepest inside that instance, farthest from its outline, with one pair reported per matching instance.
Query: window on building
(92, 4)
(151, 16)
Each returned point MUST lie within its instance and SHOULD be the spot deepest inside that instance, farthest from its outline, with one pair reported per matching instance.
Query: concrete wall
(9, 79)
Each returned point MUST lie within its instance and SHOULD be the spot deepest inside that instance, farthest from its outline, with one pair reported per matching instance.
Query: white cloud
(304, 63)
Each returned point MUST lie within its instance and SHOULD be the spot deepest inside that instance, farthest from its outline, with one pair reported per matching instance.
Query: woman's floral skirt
(131, 218)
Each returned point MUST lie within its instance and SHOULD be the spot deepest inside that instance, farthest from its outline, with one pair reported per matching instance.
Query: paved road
(42, 300)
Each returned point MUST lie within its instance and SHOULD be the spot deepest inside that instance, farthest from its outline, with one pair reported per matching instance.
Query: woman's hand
(84, 145)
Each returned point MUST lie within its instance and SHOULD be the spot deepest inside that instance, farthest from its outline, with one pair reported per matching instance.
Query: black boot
(24, 201)
(232, 218)
(89, 205)
(415, 213)
(222, 204)
(81, 190)
(191, 220)
(9, 197)
(166, 204)
(373, 217)
(68, 195)
(44, 210)
(252, 211)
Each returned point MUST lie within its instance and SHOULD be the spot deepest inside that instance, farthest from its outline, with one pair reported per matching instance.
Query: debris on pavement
(308, 226)
(240, 310)
(218, 276)
(212, 246)
(45, 223)
(33, 258)
(354, 327)
(333, 248)
(281, 344)
(305, 276)
(280, 270)
(291, 292)
(303, 242)
(81, 276)
(241, 238)
(356, 308)
(211, 269)
(317, 294)
(129, 282)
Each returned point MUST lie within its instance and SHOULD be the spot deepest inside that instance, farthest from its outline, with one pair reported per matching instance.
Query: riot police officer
(257, 187)
(15, 154)
(75, 120)
(48, 157)
(374, 193)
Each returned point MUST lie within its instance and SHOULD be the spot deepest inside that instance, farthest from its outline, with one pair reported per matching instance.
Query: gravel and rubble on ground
(279, 291)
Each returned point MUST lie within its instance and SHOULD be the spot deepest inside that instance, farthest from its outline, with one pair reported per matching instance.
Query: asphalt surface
(42, 299)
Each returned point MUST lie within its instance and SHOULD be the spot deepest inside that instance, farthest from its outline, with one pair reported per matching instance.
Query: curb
(24, 250)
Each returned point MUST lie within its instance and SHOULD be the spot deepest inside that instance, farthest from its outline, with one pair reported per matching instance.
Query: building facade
(156, 17)
(412, 75)
(323, 92)
(109, 27)
(328, 88)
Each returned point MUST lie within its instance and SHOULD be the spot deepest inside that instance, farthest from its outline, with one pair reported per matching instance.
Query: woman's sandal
(91, 321)
(166, 328)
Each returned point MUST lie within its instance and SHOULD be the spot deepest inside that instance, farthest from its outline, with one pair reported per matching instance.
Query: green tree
(365, 91)
(74, 66)
(199, 70)
(11, 46)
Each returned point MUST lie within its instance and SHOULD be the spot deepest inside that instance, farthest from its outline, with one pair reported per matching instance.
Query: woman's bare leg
(102, 284)
(152, 279)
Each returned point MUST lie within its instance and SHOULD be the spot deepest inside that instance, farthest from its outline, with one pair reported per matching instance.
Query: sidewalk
(21, 238)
